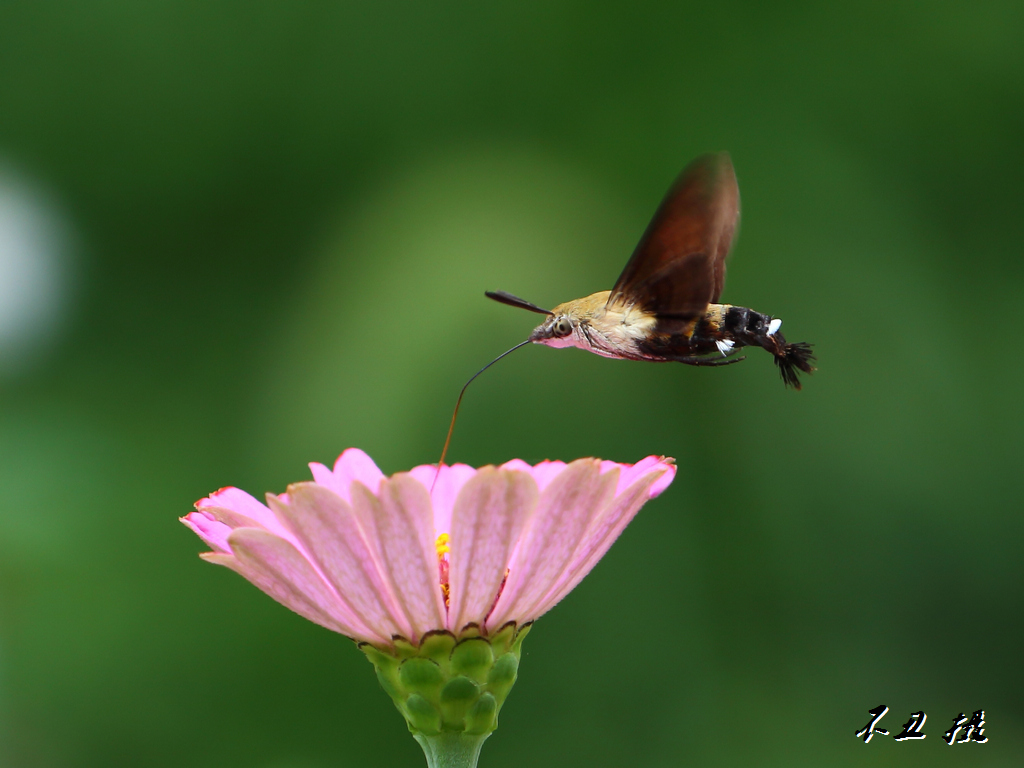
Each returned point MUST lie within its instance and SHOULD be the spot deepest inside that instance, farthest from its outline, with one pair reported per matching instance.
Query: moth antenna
(455, 413)
(514, 301)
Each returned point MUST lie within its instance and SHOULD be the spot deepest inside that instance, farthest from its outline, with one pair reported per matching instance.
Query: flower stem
(451, 749)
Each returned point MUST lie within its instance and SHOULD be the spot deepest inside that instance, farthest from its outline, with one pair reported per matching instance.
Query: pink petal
(664, 481)
(629, 474)
(229, 517)
(212, 531)
(424, 474)
(551, 537)
(543, 473)
(518, 465)
(325, 477)
(444, 491)
(489, 515)
(241, 502)
(547, 471)
(604, 529)
(354, 465)
(280, 570)
(330, 535)
(405, 535)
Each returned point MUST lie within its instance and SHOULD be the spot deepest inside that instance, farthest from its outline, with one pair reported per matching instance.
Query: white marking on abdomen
(774, 326)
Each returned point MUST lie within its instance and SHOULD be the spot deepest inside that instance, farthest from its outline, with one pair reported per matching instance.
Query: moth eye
(562, 327)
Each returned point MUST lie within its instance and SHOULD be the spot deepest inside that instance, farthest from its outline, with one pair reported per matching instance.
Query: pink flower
(374, 557)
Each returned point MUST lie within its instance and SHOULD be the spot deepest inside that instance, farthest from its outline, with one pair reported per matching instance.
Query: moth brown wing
(678, 267)
(728, 211)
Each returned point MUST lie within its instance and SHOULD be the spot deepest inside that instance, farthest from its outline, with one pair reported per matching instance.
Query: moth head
(556, 331)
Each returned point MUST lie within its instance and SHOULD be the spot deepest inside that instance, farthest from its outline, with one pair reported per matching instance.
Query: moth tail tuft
(793, 358)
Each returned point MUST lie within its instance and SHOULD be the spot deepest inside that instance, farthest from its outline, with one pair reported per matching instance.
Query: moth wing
(678, 267)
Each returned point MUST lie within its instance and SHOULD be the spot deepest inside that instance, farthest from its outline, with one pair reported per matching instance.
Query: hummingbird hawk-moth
(664, 306)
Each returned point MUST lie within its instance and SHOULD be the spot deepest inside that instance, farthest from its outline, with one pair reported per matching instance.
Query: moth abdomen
(747, 327)
(721, 332)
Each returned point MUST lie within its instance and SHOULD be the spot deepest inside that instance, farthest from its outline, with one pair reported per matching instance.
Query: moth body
(625, 331)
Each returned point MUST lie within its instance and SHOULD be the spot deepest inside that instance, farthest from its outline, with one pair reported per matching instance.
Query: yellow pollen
(442, 545)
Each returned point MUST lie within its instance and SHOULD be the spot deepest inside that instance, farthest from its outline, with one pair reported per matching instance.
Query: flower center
(443, 548)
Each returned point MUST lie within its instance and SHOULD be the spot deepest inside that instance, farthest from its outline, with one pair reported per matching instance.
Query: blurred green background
(236, 237)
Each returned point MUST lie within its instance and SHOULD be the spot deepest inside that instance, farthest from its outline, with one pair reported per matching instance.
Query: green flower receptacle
(450, 685)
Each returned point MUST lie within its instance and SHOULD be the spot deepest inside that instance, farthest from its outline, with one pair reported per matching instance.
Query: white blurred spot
(774, 326)
(34, 273)
(725, 346)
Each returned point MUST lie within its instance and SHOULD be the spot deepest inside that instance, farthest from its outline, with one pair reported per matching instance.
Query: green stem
(451, 749)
